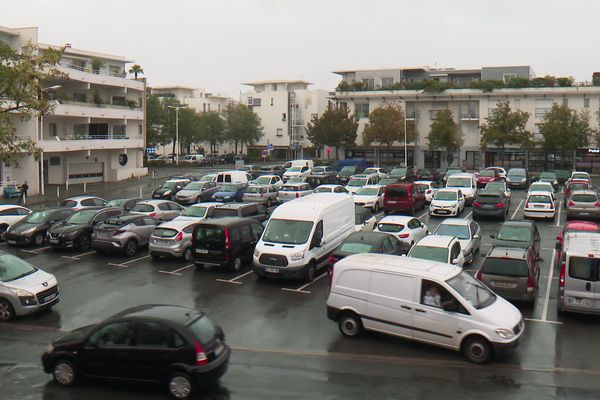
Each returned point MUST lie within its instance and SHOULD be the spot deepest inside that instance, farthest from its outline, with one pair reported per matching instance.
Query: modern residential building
(96, 131)
(285, 107)
(470, 108)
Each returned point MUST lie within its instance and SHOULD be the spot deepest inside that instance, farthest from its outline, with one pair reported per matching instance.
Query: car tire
(350, 325)
(181, 386)
(64, 373)
(85, 242)
(187, 254)
(39, 239)
(310, 273)
(236, 265)
(477, 350)
(7, 311)
(3, 230)
(155, 256)
(130, 248)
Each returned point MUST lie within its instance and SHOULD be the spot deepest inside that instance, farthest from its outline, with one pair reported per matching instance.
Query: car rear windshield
(68, 203)
(196, 211)
(357, 182)
(263, 180)
(256, 189)
(488, 198)
(13, 268)
(143, 208)
(164, 232)
(117, 203)
(446, 195)
(317, 170)
(439, 254)
(578, 186)
(458, 231)
(169, 185)
(224, 212)
(548, 175)
(580, 176)
(390, 228)
(287, 231)
(204, 329)
(459, 182)
(396, 193)
(194, 186)
(291, 188)
(538, 198)
(209, 237)
(516, 172)
(355, 248)
(115, 222)
(583, 268)
(514, 233)
(505, 267)
(368, 191)
(487, 172)
(584, 198)
(495, 186)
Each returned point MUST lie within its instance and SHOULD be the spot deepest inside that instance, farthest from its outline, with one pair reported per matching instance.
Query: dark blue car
(230, 192)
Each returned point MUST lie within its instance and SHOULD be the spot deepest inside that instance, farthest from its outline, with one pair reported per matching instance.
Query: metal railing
(88, 137)
(469, 116)
(97, 105)
(92, 71)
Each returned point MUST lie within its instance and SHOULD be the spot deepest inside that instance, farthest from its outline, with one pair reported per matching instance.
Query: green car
(563, 175)
(549, 177)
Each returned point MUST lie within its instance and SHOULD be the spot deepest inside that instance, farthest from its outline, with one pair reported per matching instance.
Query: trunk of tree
(235, 145)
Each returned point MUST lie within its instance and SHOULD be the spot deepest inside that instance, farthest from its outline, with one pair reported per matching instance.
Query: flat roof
(85, 53)
(255, 83)
(9, 31)
(167, 87)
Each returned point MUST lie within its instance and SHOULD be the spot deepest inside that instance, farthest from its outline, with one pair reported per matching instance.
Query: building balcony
(466, 116)
(92, 110)
(99, 77)
(97, 142)
(412, 116)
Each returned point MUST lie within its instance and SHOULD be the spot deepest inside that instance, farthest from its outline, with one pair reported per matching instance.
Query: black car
(318, 180)
(425, 174)
(32, 229)
(490, 204)
(346, 172)
(403, 174)
(256, 211)
(125, 204)
(76, 231)
(170, 187)
(253, 170)
(369, 242)
(225, 242)
(177, 346)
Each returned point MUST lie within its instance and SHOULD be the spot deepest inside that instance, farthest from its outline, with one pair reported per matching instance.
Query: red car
(486, 176)
(403, 197)
(576, 185)
(573, 226)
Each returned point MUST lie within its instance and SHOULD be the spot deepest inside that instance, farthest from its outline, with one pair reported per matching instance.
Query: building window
(208, 106)
(369, 83)
(119, 100)
(343, 106)
(284, 117)
(203, 107)
(271, 101)
(565, 102)
(387, 82)
(362, 110)
(140, 129)
(54, 161)
(52, 130)
(80, 97)
(542, 107)
(279, 132)
(508, 77)
(586, 102)
(274, 87)
(249, 101)
(119, 131)
(257, 102)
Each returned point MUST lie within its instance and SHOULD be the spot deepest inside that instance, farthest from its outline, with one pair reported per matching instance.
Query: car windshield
(37, 217)
(348, 169)
(195, 211)
(542, 187)
(453, 171)
(487, 172)
(146, 208)
(295, 169)
(505, 267)
(398, 172)
(224, 212)
(169, 185)
(263, 180)
(446, 195)
(194, 186)
(548, 175)
(458, 231)
(164, 232)
(472, 290)
(517, 172)
(580, 176)
(323, 190)
(578, 186)
(515, 233)
(229, 188)
(13, 268)
(367, 191)
(256, 189)
(357, 182)
(287, 231)
(584, 198)
(439, 254)
(539, 198)
(207, 178)
(390, 228)
(459, 182)
(356, 247)
(82, 217)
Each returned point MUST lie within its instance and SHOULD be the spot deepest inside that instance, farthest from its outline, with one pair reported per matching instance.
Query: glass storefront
(386, 157)
(432, 159)
(588, 160)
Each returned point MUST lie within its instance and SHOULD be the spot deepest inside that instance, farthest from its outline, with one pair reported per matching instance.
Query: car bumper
(213, 371)
(61, 242)
(583, 213)
(295, 272)
(505, 347)
(491, 213)
(21, 310)
(443, 212)
(517, 185)
(166, 251)
(106, 245)
(538, 213)
(186, 200)
(18, 239)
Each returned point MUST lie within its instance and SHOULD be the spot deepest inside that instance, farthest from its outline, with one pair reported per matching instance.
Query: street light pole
(405, 144)
(176, 108)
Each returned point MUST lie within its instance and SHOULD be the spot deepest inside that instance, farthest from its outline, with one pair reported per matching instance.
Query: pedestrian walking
(24, 188)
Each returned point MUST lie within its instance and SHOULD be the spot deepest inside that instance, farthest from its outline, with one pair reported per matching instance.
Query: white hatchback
(370, 196)
(407, 229)
(540, 205)
(447, 203)
(11, 214)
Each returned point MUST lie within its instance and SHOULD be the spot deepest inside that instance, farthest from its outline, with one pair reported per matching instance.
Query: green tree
(506, 127)
(135, 70)
(444, 133)
(335, 127)
(386, 125)
(211, 128)
(189, 128)
(156, 120)
(242, 125)
(565, 130)
(23, 77)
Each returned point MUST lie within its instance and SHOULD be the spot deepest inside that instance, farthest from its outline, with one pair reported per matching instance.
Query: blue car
(230, 192)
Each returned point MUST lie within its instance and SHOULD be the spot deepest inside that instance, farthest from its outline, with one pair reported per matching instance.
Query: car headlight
(28, 230)
(523, 179)
(504, 333)
(555, 183)
(21, 292)
(297, 256)
(50, 349)
(167, 192)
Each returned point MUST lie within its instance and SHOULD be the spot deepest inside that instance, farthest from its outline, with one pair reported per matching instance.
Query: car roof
(7, 206)
(424, 182)
(395, 264)
(82, 197)
(235, 206)
(396, 219)
(442, 241)
(585, 244)
(508, 252)
(456, 221)
(129, 217)
(581, 225)
(520, 224)
(305, 208)
(176, 224)
(178, 314)
(155, 201)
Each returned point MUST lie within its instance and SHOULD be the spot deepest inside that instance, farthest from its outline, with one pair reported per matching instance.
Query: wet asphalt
(283, 344)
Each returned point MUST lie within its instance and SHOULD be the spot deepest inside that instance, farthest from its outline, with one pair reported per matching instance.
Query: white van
(466, 183)
(421, 300)
(299, 163)
(578, 280)
(232, 177)
(301, 234)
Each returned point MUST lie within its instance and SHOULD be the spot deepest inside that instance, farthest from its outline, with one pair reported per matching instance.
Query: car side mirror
(450, 306)
(455, 261)
(493, 236)
(476, 237)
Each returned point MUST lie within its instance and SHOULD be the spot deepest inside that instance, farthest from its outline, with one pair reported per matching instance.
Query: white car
(81, 202)
(539, 205)
(302, 171)
(444, 249)
(291, 191)
(11, 214)
(500, 186)
(331, 189)
(501, 171)
(268, 180)
(447, 203)
(198, 211)
(580, 176)
(407, 229)
(429, 187)
(467, 232)
(382, 173)
(542, 187)
(466, 182)
(370, 196)
(360, 180)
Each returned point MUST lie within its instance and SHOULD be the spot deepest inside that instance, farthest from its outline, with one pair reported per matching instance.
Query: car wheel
(187, 254)
(236, 266)
(84, 243)
(477, 350)
(350, 325)
(131, 248)
(155, 256)
(39, 239)
(180, 386)
(309, 276)
(3, 229)
(7, 312)
(64, 373)
(376, 208)
(471, 257)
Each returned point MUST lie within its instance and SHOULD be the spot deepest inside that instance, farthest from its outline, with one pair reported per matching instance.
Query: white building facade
(96, 132)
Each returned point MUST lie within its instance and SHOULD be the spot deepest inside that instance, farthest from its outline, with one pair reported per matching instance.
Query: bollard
(67, 185)
(141, 197)
(153, 173)
(57, 191)
(84, 187)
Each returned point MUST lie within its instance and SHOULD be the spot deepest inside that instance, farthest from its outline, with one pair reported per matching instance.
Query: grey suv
(126, 233)
(173, 238)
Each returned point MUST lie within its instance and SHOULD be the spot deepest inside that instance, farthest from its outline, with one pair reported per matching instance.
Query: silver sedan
(466, 231)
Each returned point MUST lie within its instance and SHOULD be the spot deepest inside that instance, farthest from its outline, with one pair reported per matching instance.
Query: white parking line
(3, 244)
(517, 209)
(176, 272)
(559, 210)
(79, 255)
(235, 280)
(548, 287)
(301, 288)
(423, 214)
(469, 215)
(125, 264)
(544, 321)
(36, 251)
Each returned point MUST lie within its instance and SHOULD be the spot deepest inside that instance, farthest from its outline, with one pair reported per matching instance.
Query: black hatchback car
(76, 231)
(177, 346)
(32, 229)
(225, 242)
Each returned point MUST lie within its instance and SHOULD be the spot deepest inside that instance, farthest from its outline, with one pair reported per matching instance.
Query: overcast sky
(219, 44)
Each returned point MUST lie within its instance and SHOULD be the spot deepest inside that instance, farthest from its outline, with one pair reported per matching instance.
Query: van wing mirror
(476, 237)
(455, 261)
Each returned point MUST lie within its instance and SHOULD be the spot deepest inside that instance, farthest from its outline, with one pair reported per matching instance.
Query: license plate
(201, 251)
(539, 206)
(51, 240)
(579, 302)
(584, 213)
(443, 211)
(12, 241)
(49, 298)
(392, 202)
(507, 285)
(487, 206)
(272, 270)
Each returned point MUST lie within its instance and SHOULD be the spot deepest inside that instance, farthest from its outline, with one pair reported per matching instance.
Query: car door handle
(419, 310)
(406, 307)
(588, 286)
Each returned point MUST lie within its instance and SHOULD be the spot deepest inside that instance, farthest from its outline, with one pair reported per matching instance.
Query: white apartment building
(96, 132)
(198, 99)
(470, 107)
(285, 107)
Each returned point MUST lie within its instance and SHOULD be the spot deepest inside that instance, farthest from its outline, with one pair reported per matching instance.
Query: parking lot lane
(302, 289)
(514, 214)
(236, 280)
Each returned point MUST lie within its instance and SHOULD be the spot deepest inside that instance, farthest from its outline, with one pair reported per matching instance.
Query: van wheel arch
(350, 324)
(480, 343)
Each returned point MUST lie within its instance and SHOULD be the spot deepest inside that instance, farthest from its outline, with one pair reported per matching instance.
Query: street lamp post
(41, 137)
(176, 108)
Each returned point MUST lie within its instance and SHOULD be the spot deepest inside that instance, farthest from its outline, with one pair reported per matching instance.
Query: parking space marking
(469, 215)
(176, 272)
(3, 244)
(235, 280)
(548, 287)
(424, 214)
(559, 210)
(543, 321)
(36, 251)
(517, 209)
(125, 264)
(79, 255)
(301, 288)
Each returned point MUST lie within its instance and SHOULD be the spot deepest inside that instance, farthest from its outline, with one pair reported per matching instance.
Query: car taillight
(499, 205)
(476, 204)
(152, 214)
(597, 204)
(571, 203)
(561, 275)
(404, 235)
(478, 275)
(201, 358)
(179, 237)
(227, 241)
(530, 282)
(332, 260)
(297, 194)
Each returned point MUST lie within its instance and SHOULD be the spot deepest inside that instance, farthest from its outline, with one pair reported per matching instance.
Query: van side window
(434, 295)
(583, 268)
(318, 235)
(227, 178)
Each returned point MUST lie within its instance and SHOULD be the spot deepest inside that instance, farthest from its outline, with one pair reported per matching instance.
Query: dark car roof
(177, 314)
(523, 224)
(508, 252)
(367, 237)
(227, 221)
(129, 217)
(236, 206)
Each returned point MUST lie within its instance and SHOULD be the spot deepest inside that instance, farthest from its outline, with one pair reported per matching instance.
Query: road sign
(328, 150)
(270, 147)
(265, 153)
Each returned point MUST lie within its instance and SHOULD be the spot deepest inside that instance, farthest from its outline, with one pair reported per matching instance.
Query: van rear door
(581, 288)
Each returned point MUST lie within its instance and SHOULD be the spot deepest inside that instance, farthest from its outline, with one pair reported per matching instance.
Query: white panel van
(301, 234)
(299, 163)
(231, 177)
(421, 300)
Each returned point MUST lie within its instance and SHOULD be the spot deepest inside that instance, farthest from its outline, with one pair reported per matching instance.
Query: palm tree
(135, 70)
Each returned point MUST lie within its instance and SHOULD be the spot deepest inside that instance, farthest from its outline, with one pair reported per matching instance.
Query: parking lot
(284, 345)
